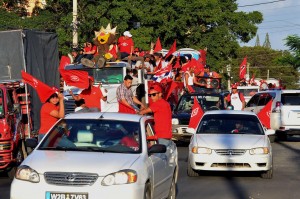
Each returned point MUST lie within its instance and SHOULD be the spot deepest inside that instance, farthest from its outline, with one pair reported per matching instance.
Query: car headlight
(201, 150)
(259, 151)
(175, 121)
(121, 177)
(28, 174)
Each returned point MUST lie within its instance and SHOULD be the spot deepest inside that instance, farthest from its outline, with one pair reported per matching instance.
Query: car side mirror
(270, 132)
(191, 130)
(31, 142)
(157, 148)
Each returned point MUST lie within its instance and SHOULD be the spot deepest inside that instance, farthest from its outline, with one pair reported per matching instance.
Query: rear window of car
(292, 99)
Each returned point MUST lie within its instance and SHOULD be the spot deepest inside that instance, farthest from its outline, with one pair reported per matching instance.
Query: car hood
(230, 141)
(74, 161)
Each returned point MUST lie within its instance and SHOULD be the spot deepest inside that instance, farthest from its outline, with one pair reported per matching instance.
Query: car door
(160, 165)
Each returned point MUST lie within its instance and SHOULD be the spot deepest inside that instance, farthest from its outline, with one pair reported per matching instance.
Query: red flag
(196, 115)
(177, 64)
(43, 90)
(203, 56)
(171, 88)
(172, 50)
(77, 78)
(65, 60)
(157, 46)
(243, 68)
(113, 51)
(264, 114)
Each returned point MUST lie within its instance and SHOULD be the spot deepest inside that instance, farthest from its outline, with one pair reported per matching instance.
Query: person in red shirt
(126, 45)
(162, 113)
(91, 95)
(51, 111)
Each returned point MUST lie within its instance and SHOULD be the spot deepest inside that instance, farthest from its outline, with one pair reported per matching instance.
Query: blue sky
(281, 18)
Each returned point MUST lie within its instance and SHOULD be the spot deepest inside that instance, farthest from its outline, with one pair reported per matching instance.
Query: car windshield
(207, 102)
(248, 91)
(107, 75)
(230, 124)
(94, 135)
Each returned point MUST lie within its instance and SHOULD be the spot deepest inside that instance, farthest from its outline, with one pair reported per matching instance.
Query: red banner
(196, 115)
(243, 68)
(264, 114)
(157, 46)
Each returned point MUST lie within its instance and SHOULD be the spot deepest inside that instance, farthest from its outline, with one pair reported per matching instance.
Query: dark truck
(182, 112)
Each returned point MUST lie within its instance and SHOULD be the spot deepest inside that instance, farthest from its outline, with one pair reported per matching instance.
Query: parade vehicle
(87, 155)
(285, 110)
(229, 140)
(208, 100)
(13, 125)
(248, 91)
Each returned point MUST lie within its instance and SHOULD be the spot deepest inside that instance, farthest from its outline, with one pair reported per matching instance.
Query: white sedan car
(98, 155)
(229, 140)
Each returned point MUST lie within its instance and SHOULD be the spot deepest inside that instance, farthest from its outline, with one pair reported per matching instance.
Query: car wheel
(172, 191)
(191, 172)
(147, 191)
(267, 174)
(19, 157)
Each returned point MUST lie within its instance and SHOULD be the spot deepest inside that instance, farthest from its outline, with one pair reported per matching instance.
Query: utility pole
(228, 68)
(74, 25)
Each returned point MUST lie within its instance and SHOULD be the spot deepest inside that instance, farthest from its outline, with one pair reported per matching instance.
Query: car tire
(267, 174)
(173, 189)
(19, 157)
(192, 172)
(147, 191)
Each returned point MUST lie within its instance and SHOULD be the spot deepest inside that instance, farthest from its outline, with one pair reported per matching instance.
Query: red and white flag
(43, 90)
(243, 68)
(157, 46)
(172, 50)
(196, 115)
(79, 79)
(264, 114)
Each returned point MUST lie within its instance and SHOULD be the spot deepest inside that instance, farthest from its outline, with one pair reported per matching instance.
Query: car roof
(279, 90)
(106, 116)
(230, 112)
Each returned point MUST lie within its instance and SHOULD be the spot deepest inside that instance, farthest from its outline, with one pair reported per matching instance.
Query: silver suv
(285, 111)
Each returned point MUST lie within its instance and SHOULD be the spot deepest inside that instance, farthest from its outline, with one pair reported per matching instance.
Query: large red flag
(264, 114)
(172, 50)
(157, 46)
(243, 68)
(43, 90)
(196, 115)
(79, 79)
(64, 60)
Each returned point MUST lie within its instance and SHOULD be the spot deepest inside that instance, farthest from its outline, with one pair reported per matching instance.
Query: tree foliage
(215, 24)
(292, 59)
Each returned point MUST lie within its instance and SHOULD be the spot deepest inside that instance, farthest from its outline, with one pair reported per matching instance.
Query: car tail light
(277, 107)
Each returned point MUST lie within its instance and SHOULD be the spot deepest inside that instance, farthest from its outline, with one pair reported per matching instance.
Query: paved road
(212, 185)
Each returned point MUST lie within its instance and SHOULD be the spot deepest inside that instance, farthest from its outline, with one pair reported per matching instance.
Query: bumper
(180, 134)
(20, 188)
(215, 162)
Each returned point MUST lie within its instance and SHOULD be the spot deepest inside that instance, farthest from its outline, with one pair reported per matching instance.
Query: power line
(257, 4)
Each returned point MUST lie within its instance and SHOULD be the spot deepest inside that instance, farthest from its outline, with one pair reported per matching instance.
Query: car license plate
(58, 195)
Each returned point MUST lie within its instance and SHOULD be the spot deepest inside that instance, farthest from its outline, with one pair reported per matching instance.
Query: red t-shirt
(129, 141)
(125, 44)
(47, 121)
(162, 118)
(92, 97)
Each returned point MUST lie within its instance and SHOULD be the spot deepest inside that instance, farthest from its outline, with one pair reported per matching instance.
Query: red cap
(156, 87)
(233, 86)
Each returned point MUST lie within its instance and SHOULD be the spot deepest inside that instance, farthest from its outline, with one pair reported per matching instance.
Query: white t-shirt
(235, 101)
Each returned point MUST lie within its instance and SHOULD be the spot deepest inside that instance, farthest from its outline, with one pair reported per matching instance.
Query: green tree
(267, 43)
(257, 42)
(215, 24)
(293, 58)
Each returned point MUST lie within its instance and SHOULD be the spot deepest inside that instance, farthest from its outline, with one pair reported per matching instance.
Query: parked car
(285, 110)
(182, 112)
(229, 140)
(92, 155)
(248, 91)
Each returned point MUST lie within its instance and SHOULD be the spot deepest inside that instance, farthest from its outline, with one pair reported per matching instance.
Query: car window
(264, 98)
(207, 102)
(94, 135)
(291, 99)
(150, 132)
(253, 101)
(228, 124)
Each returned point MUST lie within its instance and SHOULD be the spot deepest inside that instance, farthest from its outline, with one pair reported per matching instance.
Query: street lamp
(228, 68)
(74, 24)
